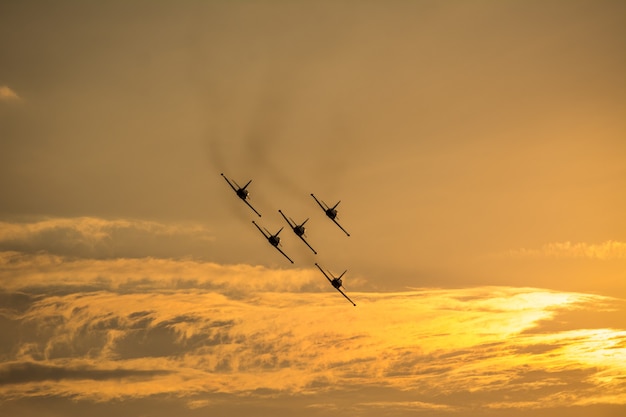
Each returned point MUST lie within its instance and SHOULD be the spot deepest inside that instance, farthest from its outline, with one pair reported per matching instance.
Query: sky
(478, 152)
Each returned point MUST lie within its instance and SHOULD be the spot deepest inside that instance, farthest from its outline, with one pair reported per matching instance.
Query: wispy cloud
(102, 238)
(602, 251)
(80, 325)
(133, 328)
(7, 94)
(42, 273)
(412, 406)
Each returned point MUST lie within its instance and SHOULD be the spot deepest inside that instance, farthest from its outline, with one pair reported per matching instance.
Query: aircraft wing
(307, 243)
(284, 254)
(323, 272)
(253, 209)
(229, 183)
(344, 294)
(318, 202)
(260, 230)
(344, 230)
(285, 217)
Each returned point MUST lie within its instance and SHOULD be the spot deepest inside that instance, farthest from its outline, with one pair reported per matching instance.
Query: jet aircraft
(273, 239)
(331, 212)
(336, 282)
(298, 229)
(241, 192)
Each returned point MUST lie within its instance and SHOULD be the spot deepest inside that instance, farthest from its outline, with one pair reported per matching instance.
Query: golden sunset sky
(478, 149)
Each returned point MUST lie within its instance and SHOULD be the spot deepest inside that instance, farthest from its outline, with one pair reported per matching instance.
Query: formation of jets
(298, 229)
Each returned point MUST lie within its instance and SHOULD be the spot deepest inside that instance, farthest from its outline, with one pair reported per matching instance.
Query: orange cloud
(101, 238)
(93, 228)
(132, 328)
(603, 251)
(7, 94)
(19, 271)
(120, 329)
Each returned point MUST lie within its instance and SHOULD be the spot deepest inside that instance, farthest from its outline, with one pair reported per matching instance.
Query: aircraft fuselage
(243, 194)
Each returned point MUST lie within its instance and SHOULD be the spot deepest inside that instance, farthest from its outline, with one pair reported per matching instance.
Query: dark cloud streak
(21, 373)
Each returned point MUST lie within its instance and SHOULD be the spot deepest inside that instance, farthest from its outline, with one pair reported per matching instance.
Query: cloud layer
(90, 315)
(91, 237)
(131, 329)
(7, 94)
(581, 250)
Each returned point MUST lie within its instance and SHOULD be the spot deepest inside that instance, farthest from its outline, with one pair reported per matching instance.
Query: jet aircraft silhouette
(241, 192)
(331, 212)
(336, 282)
(298, 229)
(273, 239)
